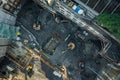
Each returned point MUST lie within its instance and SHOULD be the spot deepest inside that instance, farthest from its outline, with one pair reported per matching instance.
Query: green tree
(111, 22)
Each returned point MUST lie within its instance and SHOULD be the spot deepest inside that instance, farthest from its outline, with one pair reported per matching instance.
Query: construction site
(55, 40)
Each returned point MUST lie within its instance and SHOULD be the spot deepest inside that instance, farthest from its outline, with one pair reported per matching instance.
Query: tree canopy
(111, 22)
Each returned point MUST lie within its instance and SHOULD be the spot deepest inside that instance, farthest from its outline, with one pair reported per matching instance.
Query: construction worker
(18, 33)
(29, 67)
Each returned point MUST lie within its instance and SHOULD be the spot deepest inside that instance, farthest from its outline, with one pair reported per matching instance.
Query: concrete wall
(6, 18)
(3, 46)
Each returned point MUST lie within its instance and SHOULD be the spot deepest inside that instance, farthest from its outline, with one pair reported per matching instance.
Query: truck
(75, 7)
(78, 10)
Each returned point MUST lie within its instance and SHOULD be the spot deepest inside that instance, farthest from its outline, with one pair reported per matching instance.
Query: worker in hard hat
(29, 67)
(18, 33)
